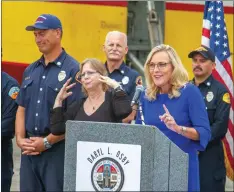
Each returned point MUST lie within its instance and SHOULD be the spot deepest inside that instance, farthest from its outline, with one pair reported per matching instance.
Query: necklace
(93, 107)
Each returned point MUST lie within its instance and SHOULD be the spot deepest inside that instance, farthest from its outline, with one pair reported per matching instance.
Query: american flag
(214, 35)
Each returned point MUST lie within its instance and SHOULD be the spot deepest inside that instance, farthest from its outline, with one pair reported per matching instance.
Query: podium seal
(107, 175)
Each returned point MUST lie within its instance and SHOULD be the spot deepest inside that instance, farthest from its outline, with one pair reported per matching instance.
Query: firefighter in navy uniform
(42, 159)
(9, 91)
(217, 100)
(115, 48)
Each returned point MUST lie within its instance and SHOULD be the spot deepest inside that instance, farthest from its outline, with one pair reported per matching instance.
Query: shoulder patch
(13, 92)
(226, 98)
(139, 80)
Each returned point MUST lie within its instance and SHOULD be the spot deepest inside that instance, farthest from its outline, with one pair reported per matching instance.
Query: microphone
(136, 97)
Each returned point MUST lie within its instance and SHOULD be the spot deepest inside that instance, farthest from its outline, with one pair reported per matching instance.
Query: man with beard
(217, 100)
(115, 48)
(42, 159)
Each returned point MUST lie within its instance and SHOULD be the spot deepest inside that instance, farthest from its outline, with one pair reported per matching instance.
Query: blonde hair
(179, 75)
(99, 67)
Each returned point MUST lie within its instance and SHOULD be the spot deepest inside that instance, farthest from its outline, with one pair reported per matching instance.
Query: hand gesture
(169, 120)
(63, 94)
(111, 82)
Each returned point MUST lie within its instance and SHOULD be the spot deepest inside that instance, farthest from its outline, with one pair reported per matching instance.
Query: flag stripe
(229, 151)
(228, 67)
(230, 124)
(224, 75)
(206, 32)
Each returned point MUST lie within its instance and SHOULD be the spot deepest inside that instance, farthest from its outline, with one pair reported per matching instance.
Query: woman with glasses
(105, 101)
(175, 106)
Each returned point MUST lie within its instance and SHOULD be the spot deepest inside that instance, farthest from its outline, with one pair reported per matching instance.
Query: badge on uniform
(226, 98)
(61, 75)
(209, 96)
(13, 92)
(125, 80)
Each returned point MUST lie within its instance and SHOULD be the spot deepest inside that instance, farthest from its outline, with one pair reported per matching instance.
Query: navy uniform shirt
(127, 78)
(217, 100)
(9, 92)
(40, 87)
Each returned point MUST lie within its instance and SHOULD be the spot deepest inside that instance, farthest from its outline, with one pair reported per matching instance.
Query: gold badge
(139, 80)
(226, 98)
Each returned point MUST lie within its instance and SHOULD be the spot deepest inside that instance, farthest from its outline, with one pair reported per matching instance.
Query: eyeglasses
(159, 65)
(88, 74)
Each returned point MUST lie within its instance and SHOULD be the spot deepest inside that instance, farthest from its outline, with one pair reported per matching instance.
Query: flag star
(211, 16)
(211, 8)
(217, 26)
(217, 34)
(225, 36)
(211, 25)
(225, 44)
(218, 9)
(225, 29)
(218, 18)
(216, 43)
(211, 33)
(225, 53)
(218, 2)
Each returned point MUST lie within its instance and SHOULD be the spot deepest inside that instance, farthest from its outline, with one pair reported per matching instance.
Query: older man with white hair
(115, 48)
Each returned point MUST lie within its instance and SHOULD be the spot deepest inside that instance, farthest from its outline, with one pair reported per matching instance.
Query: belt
(28, 134)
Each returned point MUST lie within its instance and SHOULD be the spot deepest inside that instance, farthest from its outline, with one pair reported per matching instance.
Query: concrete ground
(16, 159)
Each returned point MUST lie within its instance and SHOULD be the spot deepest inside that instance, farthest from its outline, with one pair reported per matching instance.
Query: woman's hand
(63, 94)
(111, 82)
(169, 120)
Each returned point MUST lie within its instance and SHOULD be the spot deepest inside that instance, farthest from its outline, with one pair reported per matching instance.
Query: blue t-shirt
(188, 110)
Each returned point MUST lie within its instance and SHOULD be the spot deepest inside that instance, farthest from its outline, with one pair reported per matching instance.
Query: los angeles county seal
(107, 175)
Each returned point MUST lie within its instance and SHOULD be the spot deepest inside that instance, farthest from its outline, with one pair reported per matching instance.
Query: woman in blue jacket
(175, 106)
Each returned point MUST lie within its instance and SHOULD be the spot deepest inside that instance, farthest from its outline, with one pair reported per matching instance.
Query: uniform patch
(125, 80)
(61, 75)
(139, 80)
(13, 92)
(209, 96)
(226, 98)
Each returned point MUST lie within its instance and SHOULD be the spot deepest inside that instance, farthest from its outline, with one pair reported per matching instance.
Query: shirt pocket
(52, 91)
(27, 90)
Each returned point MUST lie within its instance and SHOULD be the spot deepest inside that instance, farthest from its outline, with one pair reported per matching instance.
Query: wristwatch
(119, 88)
(183, 130)
(46, 143)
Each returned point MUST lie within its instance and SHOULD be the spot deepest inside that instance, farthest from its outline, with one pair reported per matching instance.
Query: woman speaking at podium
(175, 106)
(104, 100)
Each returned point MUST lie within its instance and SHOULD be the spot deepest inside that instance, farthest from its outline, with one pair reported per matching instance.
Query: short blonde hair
(99, 67)
(179, 75)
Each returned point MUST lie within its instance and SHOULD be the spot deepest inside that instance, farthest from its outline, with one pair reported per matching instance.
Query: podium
(122, 157)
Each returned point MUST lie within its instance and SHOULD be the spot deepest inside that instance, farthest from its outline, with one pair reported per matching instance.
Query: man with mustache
(116, 48)
(42, 159)
(217, 100)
